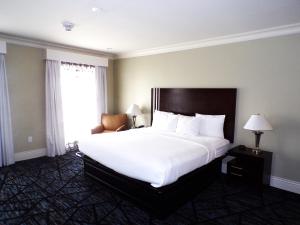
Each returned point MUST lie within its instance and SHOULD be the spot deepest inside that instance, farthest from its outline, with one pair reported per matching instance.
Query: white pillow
(211, 125)
(164, 121)
(188, 125)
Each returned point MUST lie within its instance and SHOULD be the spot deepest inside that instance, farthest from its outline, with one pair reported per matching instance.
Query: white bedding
(153, 156)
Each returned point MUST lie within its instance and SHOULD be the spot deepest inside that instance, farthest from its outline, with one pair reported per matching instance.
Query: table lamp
(257, 123)
(134, 110)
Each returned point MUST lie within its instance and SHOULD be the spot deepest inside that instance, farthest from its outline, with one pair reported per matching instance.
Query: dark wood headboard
(188, 101)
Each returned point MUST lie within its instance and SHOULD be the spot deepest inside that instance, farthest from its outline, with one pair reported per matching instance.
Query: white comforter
(147, 154)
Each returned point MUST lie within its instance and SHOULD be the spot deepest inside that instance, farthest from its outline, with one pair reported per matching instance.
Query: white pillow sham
(166, 121)
(211, 125)
(188, 125)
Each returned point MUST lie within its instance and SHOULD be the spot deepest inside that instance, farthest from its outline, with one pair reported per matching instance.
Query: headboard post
(188, 101)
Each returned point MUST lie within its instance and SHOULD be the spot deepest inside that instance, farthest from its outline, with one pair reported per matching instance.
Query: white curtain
(101, 91)
(6, 138)
(54, 115)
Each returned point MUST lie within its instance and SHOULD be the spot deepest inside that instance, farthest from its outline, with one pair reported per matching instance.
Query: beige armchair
(111, 123)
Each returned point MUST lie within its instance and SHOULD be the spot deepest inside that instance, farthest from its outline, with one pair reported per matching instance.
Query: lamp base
(133, 122)
(257, 134)
(256, 151)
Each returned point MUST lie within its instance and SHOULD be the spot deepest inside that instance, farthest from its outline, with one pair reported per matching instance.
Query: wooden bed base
(159, 202)
(187, 101)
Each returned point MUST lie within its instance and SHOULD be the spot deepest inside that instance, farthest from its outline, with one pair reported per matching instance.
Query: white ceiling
(131, 25)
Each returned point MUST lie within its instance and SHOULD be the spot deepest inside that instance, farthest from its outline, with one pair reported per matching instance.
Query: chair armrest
(123, 127)
(98, 129)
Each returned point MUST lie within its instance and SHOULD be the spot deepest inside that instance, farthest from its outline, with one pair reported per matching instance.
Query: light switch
(29, 139)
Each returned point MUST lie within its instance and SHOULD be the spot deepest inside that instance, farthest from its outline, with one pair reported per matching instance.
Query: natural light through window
(79, 100)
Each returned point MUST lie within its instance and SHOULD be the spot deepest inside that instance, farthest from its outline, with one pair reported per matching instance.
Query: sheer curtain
(79, 100)
(101, 91)
(6, 137)
(54, 115)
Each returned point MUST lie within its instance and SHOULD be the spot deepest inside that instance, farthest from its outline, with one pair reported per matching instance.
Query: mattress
(150, 155)
(223, 148)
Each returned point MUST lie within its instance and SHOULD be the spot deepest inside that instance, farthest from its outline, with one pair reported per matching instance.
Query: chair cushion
(108, 131)
(113, 122)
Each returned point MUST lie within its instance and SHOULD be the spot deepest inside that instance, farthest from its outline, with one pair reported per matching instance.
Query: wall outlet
(29, 139)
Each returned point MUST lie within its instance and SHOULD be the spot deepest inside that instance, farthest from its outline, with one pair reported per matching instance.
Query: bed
(160, 195)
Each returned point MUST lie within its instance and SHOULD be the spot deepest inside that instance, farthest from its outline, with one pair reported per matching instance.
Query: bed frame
(159, 202)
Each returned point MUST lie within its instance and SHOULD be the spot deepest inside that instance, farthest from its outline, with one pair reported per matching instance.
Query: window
(78, 100)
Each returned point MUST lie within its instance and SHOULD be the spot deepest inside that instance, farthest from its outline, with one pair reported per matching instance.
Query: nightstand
(249, 167)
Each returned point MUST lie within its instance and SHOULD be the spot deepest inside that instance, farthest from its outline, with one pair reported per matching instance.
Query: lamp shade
(134, 110)
(257, 123)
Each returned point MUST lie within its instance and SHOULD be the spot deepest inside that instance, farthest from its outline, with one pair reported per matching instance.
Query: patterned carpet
(55, 191)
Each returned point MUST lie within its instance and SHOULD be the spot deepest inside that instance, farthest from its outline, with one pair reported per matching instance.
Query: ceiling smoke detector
(68, 25)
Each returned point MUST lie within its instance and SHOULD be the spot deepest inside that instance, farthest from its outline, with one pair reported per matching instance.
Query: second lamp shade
(134, 110)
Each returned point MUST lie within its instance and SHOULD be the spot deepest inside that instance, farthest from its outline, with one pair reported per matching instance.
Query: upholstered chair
(111, 123)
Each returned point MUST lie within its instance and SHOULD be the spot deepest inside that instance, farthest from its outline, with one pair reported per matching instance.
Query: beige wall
(26, 83)
(266, 73)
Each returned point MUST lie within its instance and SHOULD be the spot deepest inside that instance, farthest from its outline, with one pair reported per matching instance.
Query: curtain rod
(77, 64)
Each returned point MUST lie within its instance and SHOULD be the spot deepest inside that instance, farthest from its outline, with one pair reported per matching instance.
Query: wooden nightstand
(247, 166)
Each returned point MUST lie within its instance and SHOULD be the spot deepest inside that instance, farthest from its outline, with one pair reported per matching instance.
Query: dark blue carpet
(55, 191)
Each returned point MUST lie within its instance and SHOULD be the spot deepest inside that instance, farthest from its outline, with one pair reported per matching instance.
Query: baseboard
(285, 184)
(277, 182)
(30, 154)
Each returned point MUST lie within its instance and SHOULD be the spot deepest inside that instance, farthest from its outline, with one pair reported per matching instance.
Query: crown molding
(228, 39)
(36, 43)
